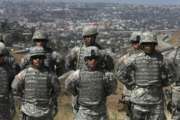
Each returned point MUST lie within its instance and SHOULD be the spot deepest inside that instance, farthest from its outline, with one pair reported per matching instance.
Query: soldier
(124, 60)
(53, 61)
(174, 62)
(134, 50)
(74, 60)
(8, 58)
(6, 77)
(145, 76)
(38, 88)
(92, 86)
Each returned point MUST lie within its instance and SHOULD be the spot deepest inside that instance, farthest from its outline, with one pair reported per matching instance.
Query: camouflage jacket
(73, 57)
(72, 83)
(172, 57)
(32, 108)
(54, 61)
(146, 88)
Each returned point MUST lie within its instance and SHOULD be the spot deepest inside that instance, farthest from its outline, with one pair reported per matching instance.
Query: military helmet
(135, 37)
(148, 37)
(91, 51)
(39, 34)
(2, 48)
(37, 51)
(90, 30)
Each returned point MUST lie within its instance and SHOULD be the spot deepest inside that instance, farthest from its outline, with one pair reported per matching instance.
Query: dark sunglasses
(88, 36)
(135, 42)
(149, 44)
(39, 40)
(38, 57)
(91, 58)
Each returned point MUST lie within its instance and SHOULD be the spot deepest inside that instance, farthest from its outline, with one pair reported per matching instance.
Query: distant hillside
(175, 40)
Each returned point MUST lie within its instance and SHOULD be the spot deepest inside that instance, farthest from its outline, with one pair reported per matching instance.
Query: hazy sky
(119, 1)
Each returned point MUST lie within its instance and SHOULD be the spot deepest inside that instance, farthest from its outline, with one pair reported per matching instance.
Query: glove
(169, 106)
(54, 104)
(55, 110)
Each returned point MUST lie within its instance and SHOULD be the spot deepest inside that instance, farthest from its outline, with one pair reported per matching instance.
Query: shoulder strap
(175, 64)
(174, 58)
(78, 57)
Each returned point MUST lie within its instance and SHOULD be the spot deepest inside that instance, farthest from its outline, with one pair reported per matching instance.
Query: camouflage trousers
(148, 112)
(175, 105)
(5, 113)
(26, 117)
(86, 114)
(126, 93)
(127, 102)
(75, 104)
(176, 115)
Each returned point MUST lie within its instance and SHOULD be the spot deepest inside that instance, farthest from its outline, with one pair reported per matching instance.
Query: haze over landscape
(154, 2)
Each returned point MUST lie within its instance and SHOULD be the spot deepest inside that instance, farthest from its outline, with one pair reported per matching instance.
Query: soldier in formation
(174, 64)
(9, 58)
(75, 58)
(145, 76)
(54, 62)
(124, 60)
(134, 50)
(38, 88)
(6, 76)
(92, 86)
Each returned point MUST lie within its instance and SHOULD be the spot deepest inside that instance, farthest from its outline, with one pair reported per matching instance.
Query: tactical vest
(49, 62)
(80, 61)
(4, 82)
(177, 65)
(37, 87)
(148, 70)
(91, 88)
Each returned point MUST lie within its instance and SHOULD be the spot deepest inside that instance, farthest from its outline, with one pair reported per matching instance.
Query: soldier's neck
(92, 69)
(36, 67)
(151, 53)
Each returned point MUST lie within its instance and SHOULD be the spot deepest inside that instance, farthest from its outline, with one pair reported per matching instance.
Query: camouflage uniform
(124, 60)
(92, 88)
(9, 59)
(6, 77)
(174, 61)
(38, 88)
(54, 61)
(145, 76)
(75, 58)
(166, 51)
